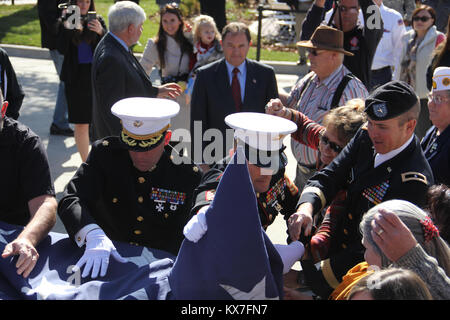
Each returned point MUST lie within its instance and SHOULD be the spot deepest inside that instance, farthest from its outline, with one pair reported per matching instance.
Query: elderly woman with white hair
(397, 233)
(436, 143)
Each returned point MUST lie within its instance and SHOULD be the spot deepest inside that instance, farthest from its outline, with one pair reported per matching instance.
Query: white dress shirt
(380, 158)
(389, 49)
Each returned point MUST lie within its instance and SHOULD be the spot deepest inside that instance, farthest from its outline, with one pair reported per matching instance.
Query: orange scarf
(348, 281)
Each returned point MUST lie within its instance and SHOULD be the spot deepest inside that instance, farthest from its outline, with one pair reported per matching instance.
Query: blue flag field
(235, 259)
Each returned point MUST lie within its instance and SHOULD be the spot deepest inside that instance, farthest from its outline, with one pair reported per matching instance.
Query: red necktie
(236, 90)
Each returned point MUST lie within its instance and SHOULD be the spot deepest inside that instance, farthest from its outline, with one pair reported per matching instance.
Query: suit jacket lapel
(223, 85)
(130, 58)
(250, 84)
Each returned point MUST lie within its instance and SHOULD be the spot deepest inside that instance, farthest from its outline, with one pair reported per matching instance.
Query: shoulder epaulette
(411, 176)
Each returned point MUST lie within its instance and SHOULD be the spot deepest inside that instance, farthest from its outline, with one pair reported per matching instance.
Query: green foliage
(19, 24)
(190, 8)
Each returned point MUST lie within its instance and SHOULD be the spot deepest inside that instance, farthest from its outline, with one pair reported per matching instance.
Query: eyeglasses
(349, 9)
(423, 19)
(333, 146)
(314, 52)
(437, 99)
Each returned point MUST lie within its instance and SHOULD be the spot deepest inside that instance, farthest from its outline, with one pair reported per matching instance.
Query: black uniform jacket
(437, 151)
(407, 176)
(144, 208)
(281, 197)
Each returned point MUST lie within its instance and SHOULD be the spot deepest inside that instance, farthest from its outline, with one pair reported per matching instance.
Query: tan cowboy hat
(326, 38)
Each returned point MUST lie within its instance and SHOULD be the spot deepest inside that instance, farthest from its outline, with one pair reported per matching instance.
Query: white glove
(290, 254)
(98, 249)
(196, 227)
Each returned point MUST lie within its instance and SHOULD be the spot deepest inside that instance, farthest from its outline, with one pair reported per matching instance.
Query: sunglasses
(314, 52)
(333, 146)
(437, 99)
(423, 19)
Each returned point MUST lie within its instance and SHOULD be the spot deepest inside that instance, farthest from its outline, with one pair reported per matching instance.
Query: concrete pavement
(39, 81)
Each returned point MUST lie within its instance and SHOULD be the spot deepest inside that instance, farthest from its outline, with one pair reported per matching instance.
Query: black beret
(390, 100)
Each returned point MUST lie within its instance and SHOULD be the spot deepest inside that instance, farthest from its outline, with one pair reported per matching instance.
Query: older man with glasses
(436, 143)
(328, 85)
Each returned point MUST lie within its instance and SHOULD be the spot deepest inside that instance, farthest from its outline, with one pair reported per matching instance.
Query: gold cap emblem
(138, 123)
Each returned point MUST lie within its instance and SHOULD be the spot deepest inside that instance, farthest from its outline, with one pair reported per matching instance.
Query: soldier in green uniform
(130, 189)
(274, 190)
(383, 161)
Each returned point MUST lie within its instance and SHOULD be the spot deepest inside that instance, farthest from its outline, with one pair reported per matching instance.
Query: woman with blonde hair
(207, 48)
(339, 126)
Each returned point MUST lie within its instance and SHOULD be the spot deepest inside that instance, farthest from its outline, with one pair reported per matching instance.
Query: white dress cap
(144, 116)
(259, 130)
(441, 79)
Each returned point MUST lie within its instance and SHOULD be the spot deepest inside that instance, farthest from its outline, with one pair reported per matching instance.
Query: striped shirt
(315, 102)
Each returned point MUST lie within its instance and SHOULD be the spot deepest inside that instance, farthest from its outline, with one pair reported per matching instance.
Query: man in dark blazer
(116, 73)
(217, 93)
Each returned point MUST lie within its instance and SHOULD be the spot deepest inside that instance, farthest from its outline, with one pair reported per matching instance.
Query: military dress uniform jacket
(142, 208)
(281, 197)
(407, 176)
(437, 152)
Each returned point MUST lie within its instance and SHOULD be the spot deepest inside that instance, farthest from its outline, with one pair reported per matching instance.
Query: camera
(91, 15)
(175, 79)
(63, 6)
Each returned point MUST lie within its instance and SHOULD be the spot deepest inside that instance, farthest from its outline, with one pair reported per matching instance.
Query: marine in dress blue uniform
(109, 191)
(282, 195)
(407, 175)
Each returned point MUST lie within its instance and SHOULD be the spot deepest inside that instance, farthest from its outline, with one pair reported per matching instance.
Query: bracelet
(290, 111)
(286, 110)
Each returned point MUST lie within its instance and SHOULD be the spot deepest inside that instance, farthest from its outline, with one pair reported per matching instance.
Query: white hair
(124, 13)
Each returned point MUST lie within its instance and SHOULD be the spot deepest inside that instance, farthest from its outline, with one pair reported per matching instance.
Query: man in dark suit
(232, 84)
(116, 73)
